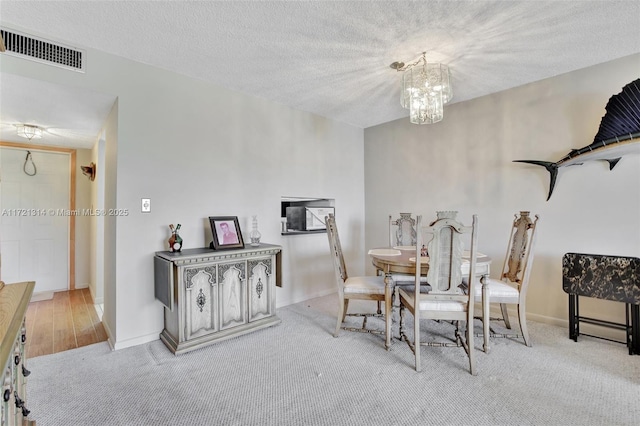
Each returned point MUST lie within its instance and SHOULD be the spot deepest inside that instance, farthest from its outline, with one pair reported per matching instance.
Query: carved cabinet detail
(233, 290)
(201, 296)
(260, 288)
(214, 295)
(14, 299)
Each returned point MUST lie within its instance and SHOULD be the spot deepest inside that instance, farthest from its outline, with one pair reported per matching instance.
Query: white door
(34, 218)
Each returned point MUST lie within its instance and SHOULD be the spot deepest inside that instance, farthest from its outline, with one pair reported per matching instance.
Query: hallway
(67, 321)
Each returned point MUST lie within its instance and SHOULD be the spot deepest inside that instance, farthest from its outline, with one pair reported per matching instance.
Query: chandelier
(426, 87)
(28, 131)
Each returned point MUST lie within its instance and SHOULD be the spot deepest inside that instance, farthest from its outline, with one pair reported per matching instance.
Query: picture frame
(226, 232)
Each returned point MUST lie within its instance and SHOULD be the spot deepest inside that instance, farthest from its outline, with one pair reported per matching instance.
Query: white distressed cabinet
(14, 299)
(213, 295)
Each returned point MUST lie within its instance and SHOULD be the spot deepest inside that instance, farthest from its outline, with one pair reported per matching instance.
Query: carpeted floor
(296, 373)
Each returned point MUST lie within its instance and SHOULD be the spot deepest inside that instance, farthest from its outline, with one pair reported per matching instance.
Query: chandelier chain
(406, 67)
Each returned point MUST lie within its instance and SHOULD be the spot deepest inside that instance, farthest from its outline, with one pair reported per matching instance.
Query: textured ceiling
(332, 58)
(71, 117)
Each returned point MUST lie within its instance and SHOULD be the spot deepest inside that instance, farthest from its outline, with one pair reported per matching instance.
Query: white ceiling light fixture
(29, 131)
(426, 87)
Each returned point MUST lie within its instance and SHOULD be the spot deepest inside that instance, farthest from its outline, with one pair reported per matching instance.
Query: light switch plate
(146, 205)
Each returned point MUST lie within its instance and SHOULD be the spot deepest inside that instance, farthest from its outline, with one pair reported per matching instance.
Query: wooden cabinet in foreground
(210, 295)
(14, 299)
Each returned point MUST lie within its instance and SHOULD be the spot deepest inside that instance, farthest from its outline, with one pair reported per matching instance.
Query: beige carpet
(297, 374)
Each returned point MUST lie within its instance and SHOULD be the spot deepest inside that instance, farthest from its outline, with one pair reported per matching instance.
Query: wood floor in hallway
(67, 321)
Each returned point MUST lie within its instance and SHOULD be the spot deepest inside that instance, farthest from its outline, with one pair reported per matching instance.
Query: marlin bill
(618, 135)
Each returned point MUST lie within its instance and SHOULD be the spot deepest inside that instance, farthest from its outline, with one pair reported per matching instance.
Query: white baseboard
(98, 307)
(96, 300)
(607, 333)
(560, 322)
(283, 303)
(42, 295)
(129, 342)
(48, 295)
(109, 334)
(513, 317)
(136, 341)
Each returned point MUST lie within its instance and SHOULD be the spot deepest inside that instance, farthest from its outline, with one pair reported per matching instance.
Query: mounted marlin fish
(618, 135)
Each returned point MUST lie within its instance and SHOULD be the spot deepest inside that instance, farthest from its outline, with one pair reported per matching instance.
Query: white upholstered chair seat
(498, 290)
(364, 285)
(434, 305)
(406, 279)
(443, 305)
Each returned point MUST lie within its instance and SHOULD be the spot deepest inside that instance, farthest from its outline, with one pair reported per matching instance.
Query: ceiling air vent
(40, 50)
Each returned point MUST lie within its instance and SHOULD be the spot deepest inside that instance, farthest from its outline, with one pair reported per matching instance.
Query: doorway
(36, 208)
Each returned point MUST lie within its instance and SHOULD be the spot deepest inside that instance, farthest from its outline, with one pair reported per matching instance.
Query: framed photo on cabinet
(226, 232)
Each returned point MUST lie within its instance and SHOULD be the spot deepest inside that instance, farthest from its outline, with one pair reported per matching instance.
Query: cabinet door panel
(261, 281)
(233, 284)
(201, 294)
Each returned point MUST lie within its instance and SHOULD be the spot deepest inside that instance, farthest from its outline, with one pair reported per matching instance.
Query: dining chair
(402, 231)
(358, 287)
(511, 287)
(447, 299)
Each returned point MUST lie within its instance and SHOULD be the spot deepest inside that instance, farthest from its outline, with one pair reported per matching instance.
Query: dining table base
(402, 263)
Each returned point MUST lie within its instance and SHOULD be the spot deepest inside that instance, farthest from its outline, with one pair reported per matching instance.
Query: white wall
(97, 221)
(465, 163)
(83, 223)
(198, 150)
(110, 318)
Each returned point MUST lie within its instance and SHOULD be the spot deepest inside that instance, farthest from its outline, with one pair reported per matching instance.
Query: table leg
(388, 308)
(635, 330)
(573, 331)
(486, 314)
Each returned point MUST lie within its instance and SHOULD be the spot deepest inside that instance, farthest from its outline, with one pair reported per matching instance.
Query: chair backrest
(402, 231)
(446, 250)
(519, 258)
(336, 251)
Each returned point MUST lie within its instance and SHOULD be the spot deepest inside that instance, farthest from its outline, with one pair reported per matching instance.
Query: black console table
(615, 278)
